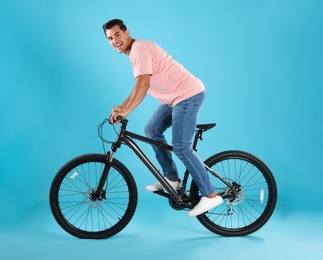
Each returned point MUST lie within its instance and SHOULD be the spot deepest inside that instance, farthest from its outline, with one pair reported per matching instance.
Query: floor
(159, 232)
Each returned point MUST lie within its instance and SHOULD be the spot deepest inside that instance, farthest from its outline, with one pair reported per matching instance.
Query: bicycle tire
(82, 217)
(256, 201)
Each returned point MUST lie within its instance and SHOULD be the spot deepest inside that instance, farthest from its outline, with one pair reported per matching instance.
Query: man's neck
(127, 52)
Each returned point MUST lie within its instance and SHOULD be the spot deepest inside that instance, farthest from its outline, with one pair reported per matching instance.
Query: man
(181, 96)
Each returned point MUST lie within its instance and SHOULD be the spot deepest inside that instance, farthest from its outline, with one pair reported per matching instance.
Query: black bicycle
(95, 196)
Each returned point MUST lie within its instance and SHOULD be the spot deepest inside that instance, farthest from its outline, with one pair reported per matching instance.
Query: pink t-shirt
(170, 82)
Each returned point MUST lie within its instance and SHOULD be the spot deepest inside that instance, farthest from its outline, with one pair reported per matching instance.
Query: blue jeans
(183, 118)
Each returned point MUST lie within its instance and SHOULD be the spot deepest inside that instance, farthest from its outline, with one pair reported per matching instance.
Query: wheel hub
(90, 201)
(238, 199)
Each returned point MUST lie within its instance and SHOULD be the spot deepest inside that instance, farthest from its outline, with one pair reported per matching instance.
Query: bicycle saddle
(205, 127)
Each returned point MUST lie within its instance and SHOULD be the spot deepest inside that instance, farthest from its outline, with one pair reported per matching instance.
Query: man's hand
(118, 111)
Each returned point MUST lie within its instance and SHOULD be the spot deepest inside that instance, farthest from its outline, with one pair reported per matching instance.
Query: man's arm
(137, 95)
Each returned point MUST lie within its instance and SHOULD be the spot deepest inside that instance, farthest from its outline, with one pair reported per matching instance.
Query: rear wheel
(255, 189)
(76, 210)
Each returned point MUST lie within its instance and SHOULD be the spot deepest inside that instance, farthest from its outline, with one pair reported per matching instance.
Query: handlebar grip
(119, 118)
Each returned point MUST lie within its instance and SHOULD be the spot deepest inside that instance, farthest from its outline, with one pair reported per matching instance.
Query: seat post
(197, 136)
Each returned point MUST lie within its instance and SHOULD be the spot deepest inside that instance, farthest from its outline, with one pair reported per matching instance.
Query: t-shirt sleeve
(141, 59)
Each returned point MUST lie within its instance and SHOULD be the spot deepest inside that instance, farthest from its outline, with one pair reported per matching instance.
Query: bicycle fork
(99, 193)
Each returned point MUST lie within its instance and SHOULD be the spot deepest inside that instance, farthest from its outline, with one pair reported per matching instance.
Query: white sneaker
(158, 186)
(204, 205)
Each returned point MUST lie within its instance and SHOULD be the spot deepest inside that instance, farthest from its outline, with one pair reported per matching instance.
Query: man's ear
(127, 32)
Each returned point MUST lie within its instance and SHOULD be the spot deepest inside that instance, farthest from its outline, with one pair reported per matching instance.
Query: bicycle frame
(95, 196)
(123, 138)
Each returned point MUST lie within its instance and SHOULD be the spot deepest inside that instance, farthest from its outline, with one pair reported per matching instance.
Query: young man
(181, 96)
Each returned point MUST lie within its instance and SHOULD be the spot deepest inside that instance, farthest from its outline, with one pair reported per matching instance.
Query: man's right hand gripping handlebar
(117, 114)
(116, 120)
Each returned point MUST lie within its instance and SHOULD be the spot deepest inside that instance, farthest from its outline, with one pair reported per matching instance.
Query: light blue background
(261, 62)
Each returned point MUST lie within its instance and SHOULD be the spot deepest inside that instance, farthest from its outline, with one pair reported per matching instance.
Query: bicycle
(94, 196)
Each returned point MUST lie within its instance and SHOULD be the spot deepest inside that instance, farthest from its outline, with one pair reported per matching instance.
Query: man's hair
(112, 23)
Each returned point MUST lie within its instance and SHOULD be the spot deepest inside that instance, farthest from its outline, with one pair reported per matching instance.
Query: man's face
(119, 40)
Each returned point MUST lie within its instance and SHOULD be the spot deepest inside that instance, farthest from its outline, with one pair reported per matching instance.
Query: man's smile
(118, 45)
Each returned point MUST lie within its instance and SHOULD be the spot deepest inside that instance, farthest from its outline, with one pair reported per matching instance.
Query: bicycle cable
(100, 133)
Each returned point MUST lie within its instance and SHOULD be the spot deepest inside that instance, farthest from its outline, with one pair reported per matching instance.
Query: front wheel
(75, 208)
(255, 194)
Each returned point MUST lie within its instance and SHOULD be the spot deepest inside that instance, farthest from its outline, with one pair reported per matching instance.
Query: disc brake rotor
(239, 198)
(89, 201)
